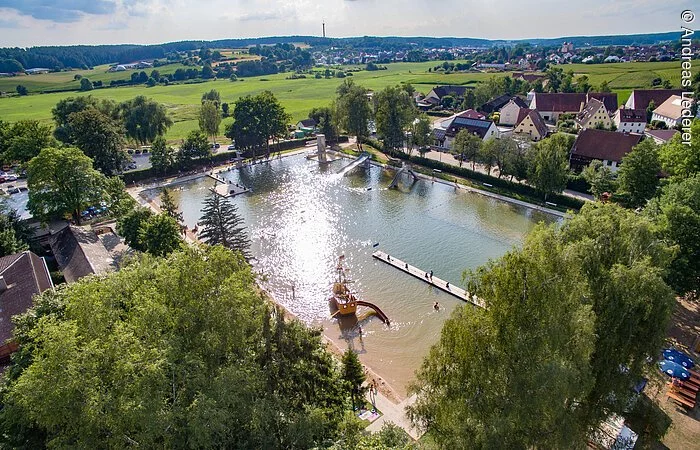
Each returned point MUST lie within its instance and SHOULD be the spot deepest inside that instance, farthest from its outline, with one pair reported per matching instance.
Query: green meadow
(298, 96)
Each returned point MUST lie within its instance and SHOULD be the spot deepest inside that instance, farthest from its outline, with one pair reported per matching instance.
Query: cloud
(60, 10)
(264, 16)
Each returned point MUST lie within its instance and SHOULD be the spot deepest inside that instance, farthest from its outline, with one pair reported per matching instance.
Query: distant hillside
(81, 56)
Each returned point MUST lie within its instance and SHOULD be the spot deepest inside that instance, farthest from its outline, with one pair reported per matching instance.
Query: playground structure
(405, 168)
(363, 158)
(344, 302)
(321, 153)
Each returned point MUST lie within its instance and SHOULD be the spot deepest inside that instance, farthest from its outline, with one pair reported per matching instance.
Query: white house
(671, 111)
(509, 113)
(630, 120)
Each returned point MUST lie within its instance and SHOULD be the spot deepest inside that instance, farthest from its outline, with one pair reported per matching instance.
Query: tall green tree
(118, 201)
(160, 235)
(353, 110)
(354, 376)
(129, 227)
(209, 119)
(144, 119)
(23, 140)
(677, 215)
(394, 115)
(163, 156)
(195, 147)
(13, 232)
(421, 132)
(509, 376)
(549, 166)
(680, 160)
(221, 224)
(272, 117)
(99, 137)
(62, 111)
(257, 120)
(62, 181)
(85, 84)
(212, 96)
(168, 205)
(467, 146)
(638, 176)
(166, 363)
(325, 119)
(600, 178)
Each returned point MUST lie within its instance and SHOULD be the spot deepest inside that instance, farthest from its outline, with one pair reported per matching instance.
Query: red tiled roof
(558, 102)
(663, 135)
(642, 97)
(536, 118)
(471, 114)
(632, 115)
(604, 145)
(592, 107)
(609, 99)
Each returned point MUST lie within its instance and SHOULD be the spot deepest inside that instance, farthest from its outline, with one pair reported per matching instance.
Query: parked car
(11, 178)
(231, 147)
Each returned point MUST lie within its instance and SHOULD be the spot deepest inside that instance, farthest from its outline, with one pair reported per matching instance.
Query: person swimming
(436, 306)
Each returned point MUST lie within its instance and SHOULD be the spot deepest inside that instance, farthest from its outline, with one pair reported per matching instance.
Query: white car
(11, 178)
(231, 147)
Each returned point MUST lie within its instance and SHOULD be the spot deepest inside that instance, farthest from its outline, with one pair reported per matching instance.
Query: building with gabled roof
(671, 111)
(640, 98)
(552, 105)
(80, 252)
(508, 114)
(661, 136)
(438, 92)
(530, 123)
(592, 114)
(444, 137)
(495, 104)
(609, 99)
(606, 146)
(630, 120)
(22, 276)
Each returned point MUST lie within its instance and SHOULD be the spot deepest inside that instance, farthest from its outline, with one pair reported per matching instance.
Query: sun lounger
(681, 400)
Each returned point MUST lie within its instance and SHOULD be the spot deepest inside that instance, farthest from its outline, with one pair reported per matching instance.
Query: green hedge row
(464, 172)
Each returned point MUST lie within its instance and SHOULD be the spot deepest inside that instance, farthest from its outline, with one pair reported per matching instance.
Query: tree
(469, 99)
(421, 131)
(207, 72)
(100, 138)
(680, 160)
(395, 113)
(353, 375)
(144, 119)
(225, 109)
(538, 348)
(22, 90)
(163, 157)
(604, 87)
(353, 110)
(62, 111)
(272, 117)
(61, 182)
(168, 205)
(196, 146)
(468, 146)
(637, 178)
(130, 226)
(650, 110)
(325, 119)
(501, 151)
(160, 235)
(117, 200)
(13, 232)
(212, 96)
(600, 177)
(85, 84)
(209, 119)
(151, 82)
(563, 365)
(189, 350)
(549, 166)
(23, 140)
(677, 215)
(256, 120)
(221, 224)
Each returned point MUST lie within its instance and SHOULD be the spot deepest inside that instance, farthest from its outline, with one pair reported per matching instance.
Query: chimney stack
(3, 284)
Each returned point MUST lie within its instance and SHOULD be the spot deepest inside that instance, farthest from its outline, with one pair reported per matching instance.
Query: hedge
(524, 189)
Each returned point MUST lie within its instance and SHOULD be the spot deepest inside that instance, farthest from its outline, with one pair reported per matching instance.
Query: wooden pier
(434, 281)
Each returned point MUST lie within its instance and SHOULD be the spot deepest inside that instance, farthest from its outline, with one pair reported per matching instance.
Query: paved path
(393, 413)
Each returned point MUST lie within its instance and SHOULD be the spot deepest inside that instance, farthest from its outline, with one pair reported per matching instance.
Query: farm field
(301, 95)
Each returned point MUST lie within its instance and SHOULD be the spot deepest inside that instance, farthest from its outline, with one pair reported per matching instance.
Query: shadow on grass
(650, 422)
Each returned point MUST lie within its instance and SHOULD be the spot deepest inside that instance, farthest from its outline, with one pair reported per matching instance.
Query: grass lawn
(297, 96)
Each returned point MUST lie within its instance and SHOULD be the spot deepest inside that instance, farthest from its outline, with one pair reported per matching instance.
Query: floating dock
(435, 281)
(226, 189)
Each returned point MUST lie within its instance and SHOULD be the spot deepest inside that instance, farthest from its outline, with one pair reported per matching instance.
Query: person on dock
(406, 266)
(431, 275)
(436, 306)
(447, 285)
(426, 275)
(388, 258)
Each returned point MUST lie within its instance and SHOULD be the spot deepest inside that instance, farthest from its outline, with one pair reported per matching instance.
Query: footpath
(393, 413)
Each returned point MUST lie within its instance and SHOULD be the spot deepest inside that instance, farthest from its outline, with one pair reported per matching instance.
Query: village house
(80, 252)
(609, 99)
(606, 146)
(509, 113)
(640, 98)
(630, 120)
(22, 276)
(531, 77)
(661, 136)
(531, 124)
(592, 115)
(495, 104)
(436, 94)
(670, 112)
(444, 137)
(552, 105)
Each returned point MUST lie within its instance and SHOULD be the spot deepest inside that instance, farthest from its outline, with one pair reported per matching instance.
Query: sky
(26, 23)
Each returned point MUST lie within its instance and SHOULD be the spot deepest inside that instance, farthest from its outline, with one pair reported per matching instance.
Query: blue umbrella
(674, 370)
(679, 357)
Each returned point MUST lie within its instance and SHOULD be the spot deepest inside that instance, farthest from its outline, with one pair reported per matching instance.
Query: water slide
(376, 309)
(397, 177)
(360, 159)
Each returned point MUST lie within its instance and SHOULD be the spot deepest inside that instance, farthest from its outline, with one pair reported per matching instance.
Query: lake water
(302, 216)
